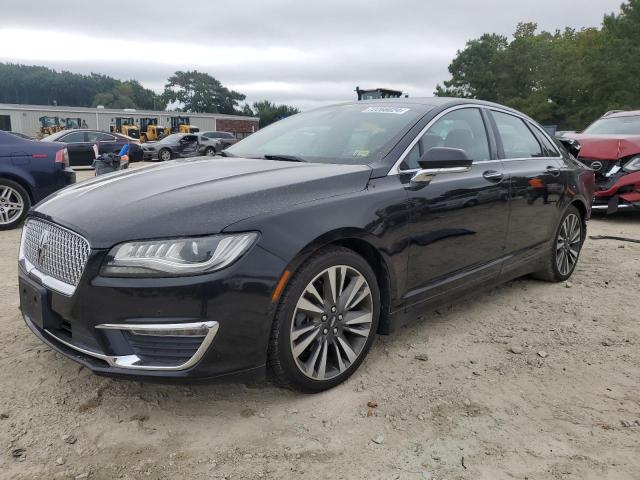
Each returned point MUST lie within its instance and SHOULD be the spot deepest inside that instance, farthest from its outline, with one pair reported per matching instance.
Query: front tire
(14, 204)
(164, 155)
(210, 152)
(566, 247)
(326, 321)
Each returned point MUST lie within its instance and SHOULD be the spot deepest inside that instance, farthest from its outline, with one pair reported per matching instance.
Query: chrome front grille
(55, 251)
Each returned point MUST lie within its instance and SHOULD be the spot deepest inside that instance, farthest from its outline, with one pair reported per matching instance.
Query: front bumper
(149, 155)
(208, 327)
(618, 193)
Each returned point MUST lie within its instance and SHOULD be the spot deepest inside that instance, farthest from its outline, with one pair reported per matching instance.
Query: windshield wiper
(285, 158)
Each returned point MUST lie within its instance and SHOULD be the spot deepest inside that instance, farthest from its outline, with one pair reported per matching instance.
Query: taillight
(62, 157)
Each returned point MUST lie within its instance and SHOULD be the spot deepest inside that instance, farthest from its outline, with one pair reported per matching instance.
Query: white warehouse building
(25, 119)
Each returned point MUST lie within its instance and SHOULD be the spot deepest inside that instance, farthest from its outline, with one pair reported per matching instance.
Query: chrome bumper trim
(53, 283)
(131, 362)
(605, 207)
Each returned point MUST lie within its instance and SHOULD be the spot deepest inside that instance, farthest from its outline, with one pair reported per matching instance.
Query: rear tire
(164, 155)
(565, 249)
(14, 204)
(325, 323)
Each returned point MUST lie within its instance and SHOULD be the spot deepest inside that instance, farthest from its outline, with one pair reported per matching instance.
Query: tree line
(189, 91)
(567, 78)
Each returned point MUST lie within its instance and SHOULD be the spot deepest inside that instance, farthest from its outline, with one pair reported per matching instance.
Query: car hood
(607, 147)
(194, 196)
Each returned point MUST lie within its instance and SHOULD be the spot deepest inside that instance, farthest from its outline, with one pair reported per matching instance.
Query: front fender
(377, 216)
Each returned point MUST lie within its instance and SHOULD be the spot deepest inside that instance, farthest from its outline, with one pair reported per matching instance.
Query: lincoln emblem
(42, 246)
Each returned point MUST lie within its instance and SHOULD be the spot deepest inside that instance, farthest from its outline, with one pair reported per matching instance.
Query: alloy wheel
(165, 155)
(11, 205)
(331, 322)
(568, 244)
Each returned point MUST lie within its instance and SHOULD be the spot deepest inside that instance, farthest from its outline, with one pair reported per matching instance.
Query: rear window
(628, 125)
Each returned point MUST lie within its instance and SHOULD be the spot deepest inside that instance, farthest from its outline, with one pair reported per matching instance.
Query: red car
(611, 147)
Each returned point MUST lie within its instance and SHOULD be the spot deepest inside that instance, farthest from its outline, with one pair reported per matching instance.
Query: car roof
(432, 102)
(626, 113)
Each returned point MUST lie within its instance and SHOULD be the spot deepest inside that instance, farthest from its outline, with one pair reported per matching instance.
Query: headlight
(176, 256)
(632, 165)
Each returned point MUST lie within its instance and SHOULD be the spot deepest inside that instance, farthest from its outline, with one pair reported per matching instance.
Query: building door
(5, 123)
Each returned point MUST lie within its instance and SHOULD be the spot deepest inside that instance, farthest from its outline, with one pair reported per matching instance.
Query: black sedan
(29, 171)
(181, 145)
(80, 144)
(315, 234)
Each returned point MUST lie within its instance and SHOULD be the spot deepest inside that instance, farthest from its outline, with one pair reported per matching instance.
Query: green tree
(269, 112)
(200, 92)
(567, 77)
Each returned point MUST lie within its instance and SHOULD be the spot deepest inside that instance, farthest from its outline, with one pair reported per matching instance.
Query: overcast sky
(299, 52)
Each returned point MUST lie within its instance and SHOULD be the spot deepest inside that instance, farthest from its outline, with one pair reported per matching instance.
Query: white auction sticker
(395, 110)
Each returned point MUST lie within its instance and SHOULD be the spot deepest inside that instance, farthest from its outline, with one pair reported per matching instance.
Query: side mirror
(571, 144)
(441, 160)
(444, 157)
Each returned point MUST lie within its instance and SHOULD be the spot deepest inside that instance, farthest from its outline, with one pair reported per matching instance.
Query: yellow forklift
(182, 125)
(125, 126)
(49, 126)
(150, 131)
(71, 123)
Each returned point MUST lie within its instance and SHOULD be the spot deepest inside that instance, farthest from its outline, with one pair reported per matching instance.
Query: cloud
(301, 52)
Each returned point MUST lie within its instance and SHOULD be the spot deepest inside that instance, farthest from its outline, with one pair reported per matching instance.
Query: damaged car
(611, 147)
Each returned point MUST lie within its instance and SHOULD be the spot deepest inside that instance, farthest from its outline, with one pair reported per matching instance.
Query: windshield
(615, 126)
(172, 138)
(353, 133)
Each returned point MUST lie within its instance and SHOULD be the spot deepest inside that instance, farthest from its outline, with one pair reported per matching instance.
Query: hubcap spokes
(568, 244)
(331, 322)
(11, 205)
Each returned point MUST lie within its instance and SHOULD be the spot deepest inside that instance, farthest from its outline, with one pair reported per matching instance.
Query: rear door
(458, 220)
(80, 150)
(537, 185)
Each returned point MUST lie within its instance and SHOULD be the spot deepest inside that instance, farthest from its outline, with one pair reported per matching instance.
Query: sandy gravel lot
(453, 400)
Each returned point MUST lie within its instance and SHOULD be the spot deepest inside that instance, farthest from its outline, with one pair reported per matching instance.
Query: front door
(188, 146)
(458, 220)
(537, 185)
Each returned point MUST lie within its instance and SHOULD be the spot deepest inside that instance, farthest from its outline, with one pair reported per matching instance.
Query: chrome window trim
(395, 170)
(130, 361)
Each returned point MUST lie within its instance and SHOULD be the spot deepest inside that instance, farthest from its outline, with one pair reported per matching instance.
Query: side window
(462, 128)
(75, 137)
(550, 149)
(99, 137)
(517, 140)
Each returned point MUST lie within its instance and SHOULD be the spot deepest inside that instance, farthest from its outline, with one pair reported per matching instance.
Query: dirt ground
(453, 399)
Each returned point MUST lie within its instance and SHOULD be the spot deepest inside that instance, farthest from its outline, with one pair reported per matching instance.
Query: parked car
(29, 171)
(80, 144)
(611, 147)
(226, 138)
(322, 230)
(181, 145)
(22, 135)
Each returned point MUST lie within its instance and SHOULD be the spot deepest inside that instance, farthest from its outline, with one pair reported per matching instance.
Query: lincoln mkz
(288, 254)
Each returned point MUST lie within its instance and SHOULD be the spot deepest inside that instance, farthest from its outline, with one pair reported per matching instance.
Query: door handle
(555, 171)
(493, 176)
